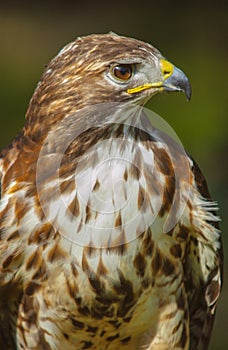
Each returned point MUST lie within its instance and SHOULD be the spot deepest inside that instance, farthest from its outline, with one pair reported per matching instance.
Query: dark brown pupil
(123, 71)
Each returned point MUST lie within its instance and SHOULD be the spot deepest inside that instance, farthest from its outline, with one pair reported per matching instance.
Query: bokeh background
(193, 35)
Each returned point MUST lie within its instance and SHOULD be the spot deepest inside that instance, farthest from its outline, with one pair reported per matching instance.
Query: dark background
(193, 35)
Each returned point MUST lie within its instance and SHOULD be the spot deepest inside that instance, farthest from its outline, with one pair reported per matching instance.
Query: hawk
(108, 235)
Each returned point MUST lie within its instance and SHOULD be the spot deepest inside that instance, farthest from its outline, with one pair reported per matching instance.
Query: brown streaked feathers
(109, 238)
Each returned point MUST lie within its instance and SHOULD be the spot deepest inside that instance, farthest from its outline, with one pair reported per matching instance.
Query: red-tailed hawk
(109, 238)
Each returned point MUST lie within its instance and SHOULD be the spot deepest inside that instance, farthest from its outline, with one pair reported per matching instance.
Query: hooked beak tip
(178, 81)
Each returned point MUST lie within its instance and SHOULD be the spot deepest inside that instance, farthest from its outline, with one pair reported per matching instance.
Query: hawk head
(99, 69)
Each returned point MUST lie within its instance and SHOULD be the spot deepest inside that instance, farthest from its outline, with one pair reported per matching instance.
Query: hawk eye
(122, 71)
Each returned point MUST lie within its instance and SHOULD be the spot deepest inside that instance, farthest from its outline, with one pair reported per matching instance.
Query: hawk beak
(174, 79)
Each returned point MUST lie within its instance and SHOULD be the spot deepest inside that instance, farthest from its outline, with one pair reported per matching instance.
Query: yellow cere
(166, 68)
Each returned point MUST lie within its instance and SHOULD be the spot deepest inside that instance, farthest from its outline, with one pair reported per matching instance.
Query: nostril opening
(166, 67)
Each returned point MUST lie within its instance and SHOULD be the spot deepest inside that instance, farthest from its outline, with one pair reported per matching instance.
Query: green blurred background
(193, 35)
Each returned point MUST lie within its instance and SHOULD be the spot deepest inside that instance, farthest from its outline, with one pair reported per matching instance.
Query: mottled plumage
(109, 238)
